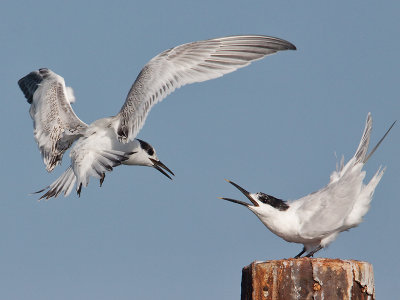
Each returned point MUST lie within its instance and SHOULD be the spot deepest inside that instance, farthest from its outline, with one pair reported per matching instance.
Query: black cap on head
(146, 147)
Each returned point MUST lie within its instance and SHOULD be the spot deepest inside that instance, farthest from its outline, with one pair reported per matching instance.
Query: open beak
(158, 165)
(246, 193)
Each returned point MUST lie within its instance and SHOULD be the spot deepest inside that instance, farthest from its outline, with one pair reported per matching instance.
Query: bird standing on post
(109, 142)
(316, 219)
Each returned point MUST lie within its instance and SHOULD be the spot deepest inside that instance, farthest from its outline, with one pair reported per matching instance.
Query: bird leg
(311, 253)
(301, 253)
(79, 189)
(102, 179)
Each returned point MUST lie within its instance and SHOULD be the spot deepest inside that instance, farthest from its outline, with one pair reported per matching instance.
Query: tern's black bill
(235, 201)
(159, 166)
(246, 193)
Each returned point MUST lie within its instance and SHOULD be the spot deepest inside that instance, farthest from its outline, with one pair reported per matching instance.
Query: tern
(316, 219)
(111, 141)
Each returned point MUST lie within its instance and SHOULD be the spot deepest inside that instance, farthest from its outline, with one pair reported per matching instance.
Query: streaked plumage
(316, 219)
(108, 142)
(56, 126)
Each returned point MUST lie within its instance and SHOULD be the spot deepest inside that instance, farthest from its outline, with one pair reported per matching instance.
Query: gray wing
(361, 153)
(185, 64)
(55, 124)
(362, 149)
(327, 209)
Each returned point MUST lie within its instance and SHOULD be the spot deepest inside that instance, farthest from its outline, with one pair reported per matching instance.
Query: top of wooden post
(308, 278)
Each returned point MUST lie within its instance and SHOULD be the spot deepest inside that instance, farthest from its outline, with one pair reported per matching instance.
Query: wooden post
(308, 278)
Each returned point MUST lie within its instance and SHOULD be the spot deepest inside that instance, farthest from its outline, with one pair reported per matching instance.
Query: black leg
(301, 253)
(102, 179)
(311, 253)
(79, 189)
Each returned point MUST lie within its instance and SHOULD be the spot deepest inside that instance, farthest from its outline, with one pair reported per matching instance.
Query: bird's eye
(150, 151)
(262, 197)
(146, 147)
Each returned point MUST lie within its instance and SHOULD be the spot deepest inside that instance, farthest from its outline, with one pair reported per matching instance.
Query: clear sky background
(274, 126)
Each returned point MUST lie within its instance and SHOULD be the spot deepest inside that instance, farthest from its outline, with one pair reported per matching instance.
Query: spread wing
(55, 124)
(326, 210)
(185, 64)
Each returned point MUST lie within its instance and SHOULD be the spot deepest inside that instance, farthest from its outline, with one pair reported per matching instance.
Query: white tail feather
(63, 184)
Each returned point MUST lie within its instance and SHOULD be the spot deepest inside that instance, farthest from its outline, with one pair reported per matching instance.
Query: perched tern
(109, 142)
(316, 219)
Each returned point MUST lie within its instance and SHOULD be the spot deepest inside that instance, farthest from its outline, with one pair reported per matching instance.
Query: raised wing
(326, 210)
(359, 156)
(362, 149)
(189, 63)
(345, 200)
(55, 124)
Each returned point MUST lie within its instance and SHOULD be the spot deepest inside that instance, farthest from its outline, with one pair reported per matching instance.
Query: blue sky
(274, 126)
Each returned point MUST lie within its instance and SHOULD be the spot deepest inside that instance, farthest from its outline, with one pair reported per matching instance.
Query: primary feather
(185, 64)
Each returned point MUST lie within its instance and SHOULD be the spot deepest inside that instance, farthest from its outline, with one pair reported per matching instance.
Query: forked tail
(63, 184)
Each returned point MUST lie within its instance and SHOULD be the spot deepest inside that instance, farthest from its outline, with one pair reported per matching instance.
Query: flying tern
(316, 219)
(111, 141)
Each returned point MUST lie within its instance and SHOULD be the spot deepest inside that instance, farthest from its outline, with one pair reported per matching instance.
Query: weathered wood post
(308, 278)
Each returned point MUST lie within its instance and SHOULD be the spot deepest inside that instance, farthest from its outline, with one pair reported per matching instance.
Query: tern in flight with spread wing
(316, 219)
(109, 142)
